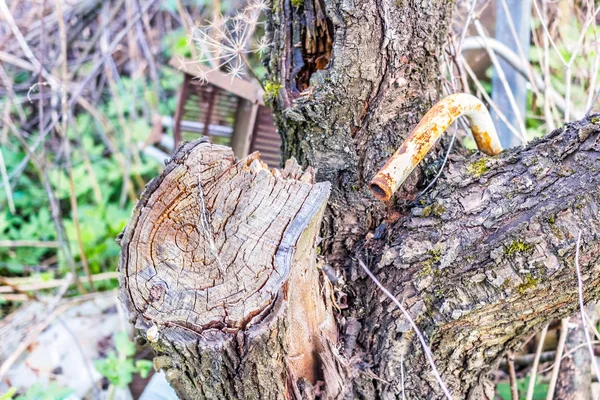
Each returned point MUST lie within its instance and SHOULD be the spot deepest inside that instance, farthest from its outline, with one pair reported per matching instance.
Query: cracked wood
(218, 249)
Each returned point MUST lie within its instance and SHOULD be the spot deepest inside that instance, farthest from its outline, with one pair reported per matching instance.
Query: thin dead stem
(65, 138)
(564, 330)
(430, 185)
(547, 33)
(53, 312)
(546, 68)
(523, 57)
(512, 374)
(7, 188)
(129, 153)
(54, 207)
(596, 67)
(491, 103)
(569, 66)
(20, 285)
(500, 73)
(402, 377)
(536, 363)
(16, 289)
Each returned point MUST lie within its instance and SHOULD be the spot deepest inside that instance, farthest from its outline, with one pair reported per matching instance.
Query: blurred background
(95, 95)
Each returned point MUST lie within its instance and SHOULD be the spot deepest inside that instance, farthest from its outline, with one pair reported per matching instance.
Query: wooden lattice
(228, 111)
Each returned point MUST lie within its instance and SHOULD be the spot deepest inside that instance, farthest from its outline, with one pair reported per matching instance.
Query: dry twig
(582, 309)
(564, 329)
(536, 362)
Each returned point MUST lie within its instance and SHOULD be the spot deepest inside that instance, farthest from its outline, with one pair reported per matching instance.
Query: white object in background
(158, 389)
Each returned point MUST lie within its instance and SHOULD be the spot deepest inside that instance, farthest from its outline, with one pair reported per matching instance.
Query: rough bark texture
(382, 77)
(488, 256)
(483, 259)
(480, 262)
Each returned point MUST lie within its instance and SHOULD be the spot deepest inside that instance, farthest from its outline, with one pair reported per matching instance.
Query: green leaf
(125, 347)
(119, 369)
(46, 276)
(56, 392)
(140, 130)
(52, 392)
(125, 373)
(60, 182)
(539, 392)
(4, 224)
(143, 367)
(118, 372)
(9, 395)
(503, 390)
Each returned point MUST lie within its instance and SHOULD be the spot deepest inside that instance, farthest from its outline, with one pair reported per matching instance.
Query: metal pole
(520, 13)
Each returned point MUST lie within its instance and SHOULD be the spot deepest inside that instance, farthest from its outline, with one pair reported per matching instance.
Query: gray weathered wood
(218, 271)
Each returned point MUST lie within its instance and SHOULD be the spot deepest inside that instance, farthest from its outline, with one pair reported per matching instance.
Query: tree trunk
(224, 273)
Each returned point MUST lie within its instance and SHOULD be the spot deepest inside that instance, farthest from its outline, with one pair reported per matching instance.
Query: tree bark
(480, 261)
(575, 376)
(382, 75)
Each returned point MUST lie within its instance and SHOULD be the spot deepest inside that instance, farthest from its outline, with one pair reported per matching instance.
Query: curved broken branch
(427, 133)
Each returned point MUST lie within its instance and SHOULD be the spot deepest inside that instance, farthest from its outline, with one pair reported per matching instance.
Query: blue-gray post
(520, 12)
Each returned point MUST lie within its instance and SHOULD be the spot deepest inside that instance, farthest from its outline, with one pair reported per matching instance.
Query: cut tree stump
(218, 270)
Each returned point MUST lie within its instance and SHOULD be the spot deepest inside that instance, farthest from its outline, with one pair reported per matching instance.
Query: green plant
(8, 395)
(118, 367)
(99, 179)
(176, 43)
(539, 392)
(38, 392)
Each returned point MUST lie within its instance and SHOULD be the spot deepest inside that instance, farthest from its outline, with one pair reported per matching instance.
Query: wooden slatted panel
(222, 111)
(265, 138)
(198, 100)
